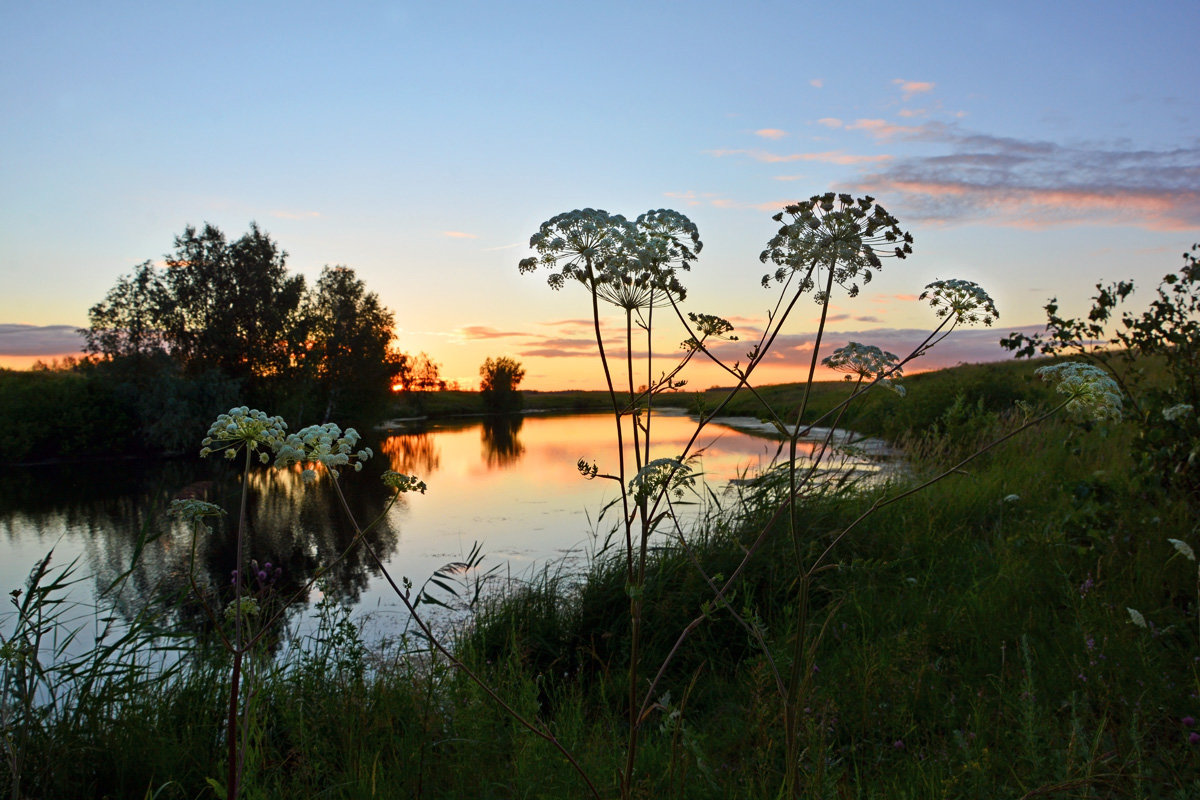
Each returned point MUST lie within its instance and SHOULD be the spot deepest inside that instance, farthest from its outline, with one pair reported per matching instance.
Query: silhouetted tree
(498, 382)
(350, 335)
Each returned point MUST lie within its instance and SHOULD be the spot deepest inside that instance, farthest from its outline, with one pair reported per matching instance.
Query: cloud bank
(39, 340)
(1035, 184)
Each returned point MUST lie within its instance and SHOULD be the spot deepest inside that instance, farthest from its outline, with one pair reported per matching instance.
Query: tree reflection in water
(297, 527)
(412, 453)
(500, 440)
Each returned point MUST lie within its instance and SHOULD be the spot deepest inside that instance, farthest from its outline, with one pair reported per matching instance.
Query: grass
(977, 644)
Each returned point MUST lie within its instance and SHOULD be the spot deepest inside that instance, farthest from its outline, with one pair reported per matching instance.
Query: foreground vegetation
(978, 645)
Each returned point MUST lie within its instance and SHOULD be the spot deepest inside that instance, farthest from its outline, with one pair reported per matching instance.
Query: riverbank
(974, 642)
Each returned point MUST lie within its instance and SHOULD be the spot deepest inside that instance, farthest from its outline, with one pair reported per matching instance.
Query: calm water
(510, 485)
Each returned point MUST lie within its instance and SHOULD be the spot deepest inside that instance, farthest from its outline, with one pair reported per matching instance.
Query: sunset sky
(1036, 148)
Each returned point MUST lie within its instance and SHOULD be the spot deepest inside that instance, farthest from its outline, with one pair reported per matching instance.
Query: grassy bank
(976, 643)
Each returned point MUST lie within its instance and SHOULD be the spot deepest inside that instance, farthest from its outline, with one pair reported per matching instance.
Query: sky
(1035, 148)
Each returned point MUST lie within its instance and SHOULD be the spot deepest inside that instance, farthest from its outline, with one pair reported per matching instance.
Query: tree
(228, 313)
(417, 373)
(498, 382)
(349, 344)
(233, 307)
(226, 307)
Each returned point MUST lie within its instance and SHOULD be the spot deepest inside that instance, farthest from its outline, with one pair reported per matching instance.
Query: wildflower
(1136, 617)
(708, 326)
(966, 301)
(1184, 549)
(669, 474)
(1012, 498)
(244, 427)
(403, 483)
(582, 240)
(1188, 721)
(1094, 395)
(846, 235)
(247, 606)
(324, 444)
(1194, 738)
(642, 271)
(194, 511)
(1177, 412)
(629, 264)
(867, 362)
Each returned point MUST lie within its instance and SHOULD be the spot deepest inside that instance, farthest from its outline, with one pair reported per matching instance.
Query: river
(510, 485)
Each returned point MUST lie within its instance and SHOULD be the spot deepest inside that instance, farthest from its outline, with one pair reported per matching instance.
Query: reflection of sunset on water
(510, 484)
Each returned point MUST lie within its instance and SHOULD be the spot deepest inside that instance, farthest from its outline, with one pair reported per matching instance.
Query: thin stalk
(233, 776)
(540, 732)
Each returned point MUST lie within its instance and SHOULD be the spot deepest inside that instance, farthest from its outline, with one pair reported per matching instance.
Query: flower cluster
(244, 426)
(581, 240)
(247, 606)
(669, 474)
(867, 362)
(1177, 412)
(324, 444)
(966, 301)
(847, 235)
(629, 264)
(1094, 395)
(709, 326)
(403, 483)
(194, 511)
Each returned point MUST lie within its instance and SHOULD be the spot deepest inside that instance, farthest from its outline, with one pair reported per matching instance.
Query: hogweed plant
(827, 244)
(252, 612)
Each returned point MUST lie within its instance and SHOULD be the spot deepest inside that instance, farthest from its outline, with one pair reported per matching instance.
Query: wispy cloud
(816, 83)
(910, 88)
(770, 133)
(39, 340)
(830, 122)
(485, 332)
(501, 247)
(1031, 183)
(881, 129)
(459, 235)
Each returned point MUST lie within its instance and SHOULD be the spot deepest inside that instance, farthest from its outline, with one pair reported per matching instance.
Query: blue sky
(1034, 148)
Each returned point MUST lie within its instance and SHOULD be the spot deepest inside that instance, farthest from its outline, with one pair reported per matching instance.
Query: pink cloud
(486, 332)
(881, 129)
(770, 133)
(830, 122)
(913, 87)
(1035, 207)
(459, 235)
(816, 83)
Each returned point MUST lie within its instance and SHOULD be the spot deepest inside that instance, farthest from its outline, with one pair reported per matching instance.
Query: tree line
(223, 322)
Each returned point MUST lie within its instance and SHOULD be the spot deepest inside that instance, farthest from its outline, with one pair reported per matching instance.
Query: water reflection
(412, 454)
(500, 437)
(121, 528)
(509, 484)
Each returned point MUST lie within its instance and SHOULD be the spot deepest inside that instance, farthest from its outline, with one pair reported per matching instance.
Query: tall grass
(978, 646)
